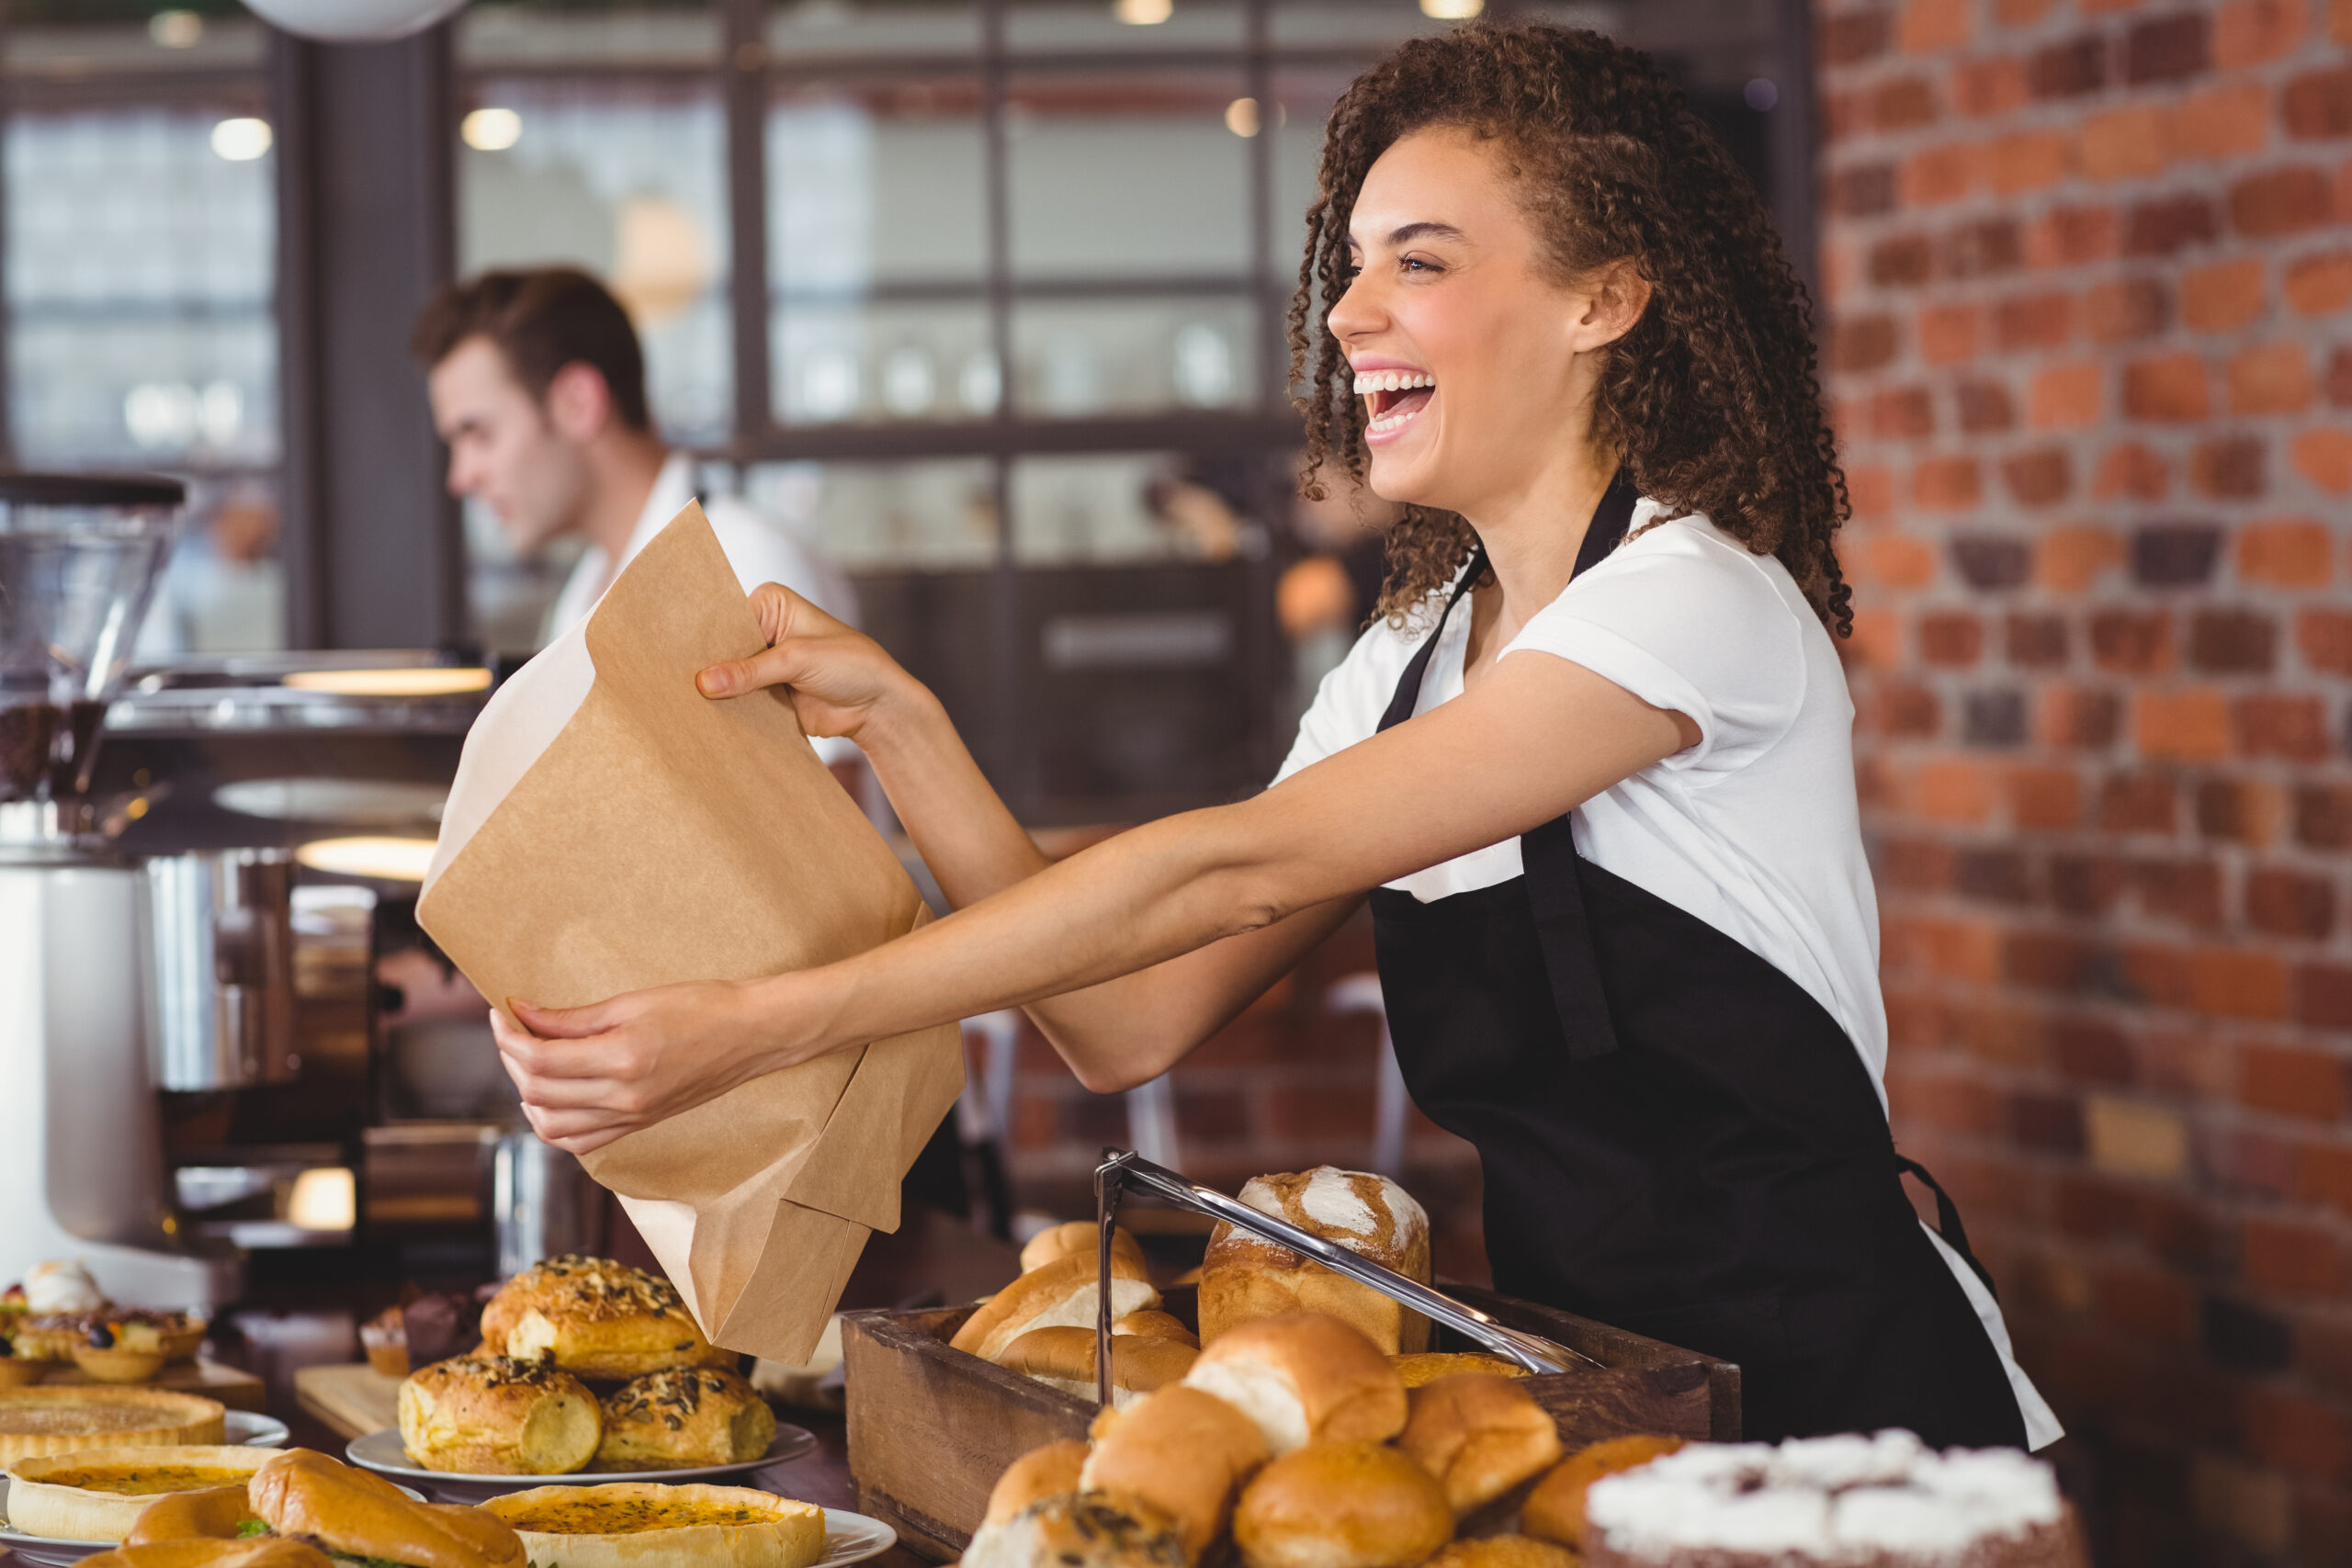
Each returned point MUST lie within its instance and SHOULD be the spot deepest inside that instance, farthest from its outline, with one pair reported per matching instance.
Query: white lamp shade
(353, 22)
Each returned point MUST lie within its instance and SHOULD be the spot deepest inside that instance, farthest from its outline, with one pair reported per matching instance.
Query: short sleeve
(1350, 699)
(1692, 622)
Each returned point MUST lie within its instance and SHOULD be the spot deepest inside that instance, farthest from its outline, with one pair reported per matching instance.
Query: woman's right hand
(838, 679)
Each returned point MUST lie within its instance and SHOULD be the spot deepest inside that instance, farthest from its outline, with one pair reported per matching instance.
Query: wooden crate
(931, 1429)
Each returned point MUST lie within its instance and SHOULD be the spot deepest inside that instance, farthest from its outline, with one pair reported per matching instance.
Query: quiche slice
(59, 1420)
(636, 1524)
(99, 1495)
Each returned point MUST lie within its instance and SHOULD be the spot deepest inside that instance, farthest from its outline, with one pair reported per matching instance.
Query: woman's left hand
(592, 1074)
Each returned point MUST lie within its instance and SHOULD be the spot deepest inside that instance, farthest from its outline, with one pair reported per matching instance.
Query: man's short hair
(542, 319)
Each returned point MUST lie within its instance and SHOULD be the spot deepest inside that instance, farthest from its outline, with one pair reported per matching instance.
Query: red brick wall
(2089, 265)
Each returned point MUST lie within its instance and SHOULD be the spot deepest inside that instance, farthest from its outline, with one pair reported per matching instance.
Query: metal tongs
(1121, 1168)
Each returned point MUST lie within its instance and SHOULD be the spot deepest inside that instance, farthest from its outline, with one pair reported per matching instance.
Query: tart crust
(53, 1496)
(54, 1420)
(570, 1526)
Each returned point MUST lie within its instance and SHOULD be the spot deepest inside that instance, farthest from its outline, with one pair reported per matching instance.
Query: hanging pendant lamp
(353, 22)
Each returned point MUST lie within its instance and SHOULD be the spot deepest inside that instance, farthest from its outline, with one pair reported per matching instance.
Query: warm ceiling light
(378, 859)
(1454, 10)
(1241, 116)
(433, 683)
(241, 140)
(324, 1198)
(1143, 12)
(175, 29)
(491, 129)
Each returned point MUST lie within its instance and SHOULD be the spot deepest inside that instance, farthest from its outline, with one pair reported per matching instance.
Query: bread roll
(1480, 1436)
(598, 1319)
(1093, 1529)
(496, 1415)
(217, 1512)
(1243, 1277)
(265, 1553)
(1062, 1294)
(1504, 1552)
(1064, 1358)
(1077, 1238)
(1303, 1377)
(683, 1415)
(1554, 1509)
(1182, 1451)
(1431, 1365)
(1049, 1471)
(357, 1514)
(1153, 1324)
(1342, 1504)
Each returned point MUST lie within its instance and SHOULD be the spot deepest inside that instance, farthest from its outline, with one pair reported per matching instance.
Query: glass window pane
(1087, 358)
(73, 41)
(1045, 25)
(507, 34)
(1368, 24)
(938, 515)
(803, 29)
(875, 183)
(852, 361)
(1133, 507)
(1133, 174)
(628, 180)
(1303, 101)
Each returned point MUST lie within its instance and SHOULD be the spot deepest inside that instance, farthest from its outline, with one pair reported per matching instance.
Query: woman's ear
(1616, 295)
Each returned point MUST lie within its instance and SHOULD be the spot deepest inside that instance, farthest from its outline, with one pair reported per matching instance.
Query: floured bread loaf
(1065, 1293)
(1302, 1377)
(1887, 1501)
(1244, 1278)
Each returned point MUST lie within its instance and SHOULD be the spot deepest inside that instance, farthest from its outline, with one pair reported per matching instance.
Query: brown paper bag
(611, 828)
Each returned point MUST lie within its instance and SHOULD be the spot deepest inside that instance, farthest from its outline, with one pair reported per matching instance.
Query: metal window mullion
(1007, 748)
(8, 308)
(743, 87)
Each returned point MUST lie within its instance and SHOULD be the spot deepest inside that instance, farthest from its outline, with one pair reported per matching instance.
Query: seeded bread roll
(1303, 1377)
(1091, 1529)
(1077, 1238)
(1480, 1436)
(597, 1319)
(496, 1415)
(1062, 1294)
(1049, 1471)
(1243, 1277)
(1183, 1452)
(1554, 1509)
(1347, 1505)
(684, 1415)
(1064, 1358)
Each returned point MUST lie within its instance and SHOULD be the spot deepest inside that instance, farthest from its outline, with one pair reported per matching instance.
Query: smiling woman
(1592, 771)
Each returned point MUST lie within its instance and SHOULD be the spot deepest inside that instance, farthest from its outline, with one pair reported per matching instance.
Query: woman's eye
(1415, 264)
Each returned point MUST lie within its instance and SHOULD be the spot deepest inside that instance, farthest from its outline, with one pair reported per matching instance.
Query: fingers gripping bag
(611, 828)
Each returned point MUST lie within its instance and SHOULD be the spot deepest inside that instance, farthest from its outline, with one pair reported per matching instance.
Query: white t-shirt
(1755, 830)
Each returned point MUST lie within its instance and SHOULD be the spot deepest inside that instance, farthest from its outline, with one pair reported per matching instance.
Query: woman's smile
(1395, 397)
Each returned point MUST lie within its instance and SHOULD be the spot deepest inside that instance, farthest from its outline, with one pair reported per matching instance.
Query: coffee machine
(81, 1156)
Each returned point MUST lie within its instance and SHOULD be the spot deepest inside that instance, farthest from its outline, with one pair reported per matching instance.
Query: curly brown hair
(1712, 401)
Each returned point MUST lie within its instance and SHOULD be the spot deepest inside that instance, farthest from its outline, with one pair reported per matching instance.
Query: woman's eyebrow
(1427, 229)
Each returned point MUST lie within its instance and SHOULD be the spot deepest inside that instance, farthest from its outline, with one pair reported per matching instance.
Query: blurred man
(537, 384)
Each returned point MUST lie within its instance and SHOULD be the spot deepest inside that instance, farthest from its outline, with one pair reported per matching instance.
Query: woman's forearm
(967, 836)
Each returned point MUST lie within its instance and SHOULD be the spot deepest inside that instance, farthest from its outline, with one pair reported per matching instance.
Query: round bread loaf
(1503, 1551)
(1062, 1294)
(1048, 1472)
(1064, 1358)
(1343, 1505)
(1479, 1435)
(1303, 1377)
(1077, 1238)
(1554, 1510)
(1181, 1452)
(597, 1319)
(497, 1416)
(684, 1415)
(99, 1495)
(1431, 1365)
(1091, 1529)
(1243, 1277)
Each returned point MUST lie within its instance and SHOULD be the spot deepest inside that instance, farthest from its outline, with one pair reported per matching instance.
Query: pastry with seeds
(682, 1416)
(498, 1415)
(597, 1319)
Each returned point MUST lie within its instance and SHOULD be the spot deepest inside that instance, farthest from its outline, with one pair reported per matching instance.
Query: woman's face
(1472, 360)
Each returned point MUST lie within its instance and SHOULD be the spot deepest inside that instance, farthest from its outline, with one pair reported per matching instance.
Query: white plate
(853, 1537)
(253, 1431)
(382, 1453)
(49, 1552)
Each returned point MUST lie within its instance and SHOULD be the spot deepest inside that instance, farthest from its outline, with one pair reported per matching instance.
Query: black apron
(1677, 1139)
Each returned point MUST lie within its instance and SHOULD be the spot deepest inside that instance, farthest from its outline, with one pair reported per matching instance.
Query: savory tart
(496, 1415)
(597, 1319)
(63, 1420)
(684, 1415)
(633, 1523)
(98, 1495)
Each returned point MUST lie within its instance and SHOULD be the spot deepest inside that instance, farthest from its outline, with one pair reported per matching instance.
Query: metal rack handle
(1121, 1168)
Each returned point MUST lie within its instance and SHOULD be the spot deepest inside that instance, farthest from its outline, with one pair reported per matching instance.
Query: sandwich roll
(1554, 1509)
(1064, 1358)
(1303, 1377)
(1049, 1471)
(1062, 1294)
(1153, 1324)
(357, 1514)
(1077, 1238)
(1243, 1277)
(1181, 1452)
(1480, 1436)
(1341, 1505)
(217, 1512)
(265, 1552)
(1091, 1530)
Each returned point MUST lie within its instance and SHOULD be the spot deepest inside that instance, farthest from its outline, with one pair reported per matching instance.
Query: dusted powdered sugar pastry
(1853, 1501)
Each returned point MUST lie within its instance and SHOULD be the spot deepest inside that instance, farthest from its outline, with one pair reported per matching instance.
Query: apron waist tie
(1948, 1223)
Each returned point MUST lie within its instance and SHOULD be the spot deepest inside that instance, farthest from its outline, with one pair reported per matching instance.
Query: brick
(2039, 479)
(1948, 333)
(2181, 726)
(1876, 639)
(2233, 810)
(2186, 891)
(2174, 555)
(2066, 397)
(1902, 413)
(2134, 470)
(1935, 176)
(2230, 469)
(2069, 236)
(2228, 122)
(2134, 1138)
(2045, 799)
(1871, 490)
(2069, 68)
(2128, 143)
(1930, 26)
(1953, 791)
(2072, 560)
(2166, 225)
(2280, 201)
(2323, 817)
(2131, 641)
(2036, 642)
(2291, 726)
(1901, 260)
(2324, 1175)
(2125, 311)
(2339, 26)
(2048, 1123)
(2137, 803)
(2288, 903)
(2325, 457)
(1863, 190)
(2274, 378)
(2221, 298)
(1989, 86)
(1983, 406)
(2250, 32)
(1863, 343)
(1993, 876)
(2030, 159)
(2339, 377)
(2020, 12)
(2087, 720)
(2087, 1051)
(2244, 1339)
(2292, 1432)
(1990, 563)
(2325, 638)
(2236, 983)
(1947, 484)
(2289, 1257)
(1903, 104)
(2169, 387)
(2167, 49)
(2320, 285)
(2033, 320)
(2318, 105)
(2148, 1304)
(2086, 884)
(1900, 562)
(1848, 37)
(2287, 553)
(1984, 248)
(1950, 640)
(2233, 642)
(1993, 718)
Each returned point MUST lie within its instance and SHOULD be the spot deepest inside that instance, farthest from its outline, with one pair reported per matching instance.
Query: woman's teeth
(1393, 381)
